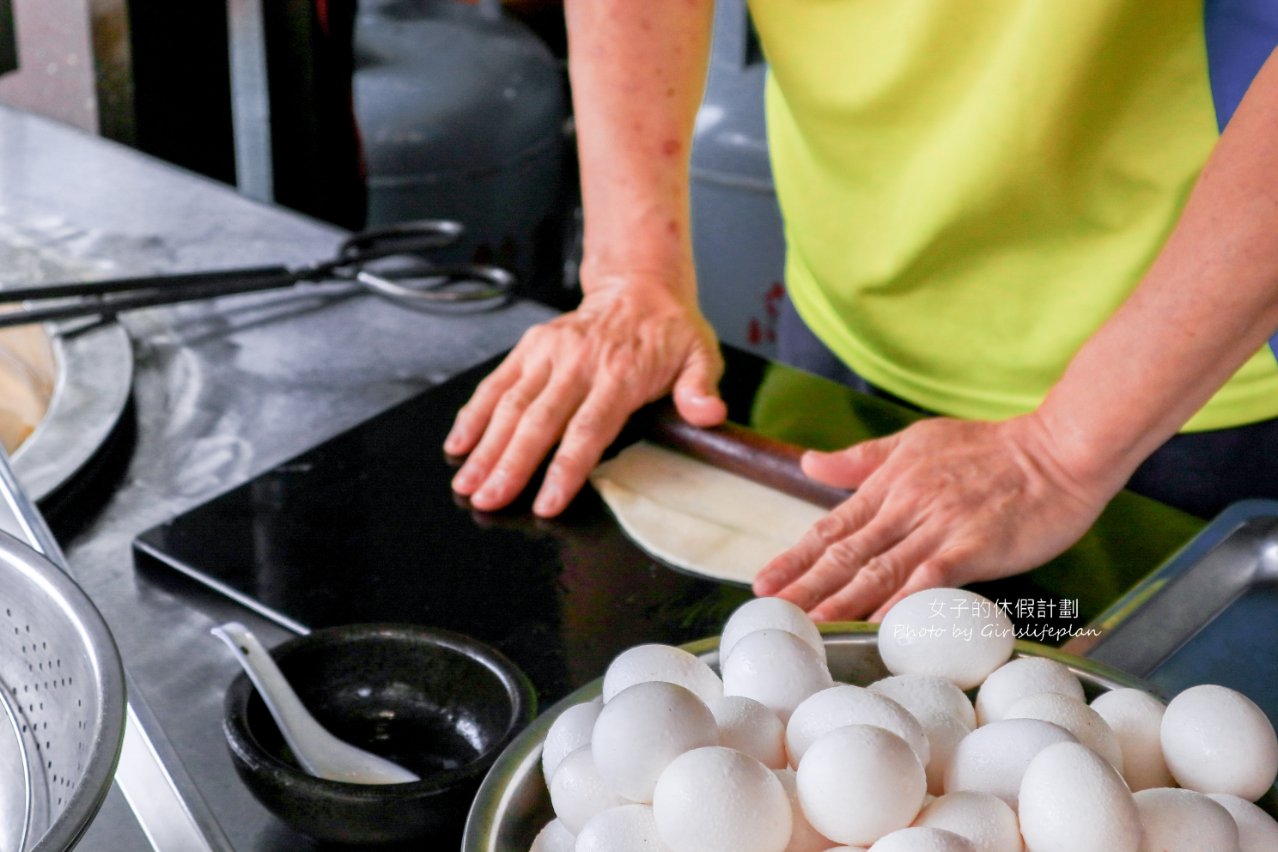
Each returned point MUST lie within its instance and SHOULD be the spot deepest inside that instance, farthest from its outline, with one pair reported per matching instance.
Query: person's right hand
(575, 380)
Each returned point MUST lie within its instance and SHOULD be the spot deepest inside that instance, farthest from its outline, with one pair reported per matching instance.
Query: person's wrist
(669, 272)
(1075, 453)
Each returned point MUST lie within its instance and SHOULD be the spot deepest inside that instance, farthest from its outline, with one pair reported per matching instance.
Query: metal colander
(62, 704)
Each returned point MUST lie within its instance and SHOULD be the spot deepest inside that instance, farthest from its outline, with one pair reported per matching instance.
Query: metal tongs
(406, 278)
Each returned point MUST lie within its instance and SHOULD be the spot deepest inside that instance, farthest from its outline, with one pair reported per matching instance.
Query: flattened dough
(699, 518)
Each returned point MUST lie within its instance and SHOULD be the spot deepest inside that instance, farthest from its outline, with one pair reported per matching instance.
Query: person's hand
(575, 380)
(942, 503)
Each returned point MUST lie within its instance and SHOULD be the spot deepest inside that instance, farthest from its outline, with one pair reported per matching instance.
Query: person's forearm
(638, 73)
(1207, 304)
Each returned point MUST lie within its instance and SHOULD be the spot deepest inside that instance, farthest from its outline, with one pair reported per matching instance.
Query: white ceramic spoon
(319, 752)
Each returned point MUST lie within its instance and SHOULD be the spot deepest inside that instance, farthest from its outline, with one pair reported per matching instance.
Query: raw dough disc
(697, 517)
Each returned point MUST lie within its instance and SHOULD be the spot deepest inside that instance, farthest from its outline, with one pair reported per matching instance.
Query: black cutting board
(364, 527)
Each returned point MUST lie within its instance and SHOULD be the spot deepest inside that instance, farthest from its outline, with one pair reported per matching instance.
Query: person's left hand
(941, 503)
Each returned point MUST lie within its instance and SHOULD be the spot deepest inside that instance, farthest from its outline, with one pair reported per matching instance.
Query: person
(1023, 216)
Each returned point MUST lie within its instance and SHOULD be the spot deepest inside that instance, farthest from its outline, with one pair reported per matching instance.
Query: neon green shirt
(971, 188)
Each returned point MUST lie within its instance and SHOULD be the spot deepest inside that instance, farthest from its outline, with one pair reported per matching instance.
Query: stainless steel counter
(222, 391)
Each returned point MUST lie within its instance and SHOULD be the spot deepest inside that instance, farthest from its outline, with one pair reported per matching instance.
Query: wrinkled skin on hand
(574, 381)
(941, 503)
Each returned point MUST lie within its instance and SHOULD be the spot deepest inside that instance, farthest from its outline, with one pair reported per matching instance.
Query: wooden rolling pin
(738, 450)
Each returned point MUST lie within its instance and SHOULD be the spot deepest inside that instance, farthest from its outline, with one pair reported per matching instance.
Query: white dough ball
(775, 668)
(803, 837)
(1257, 830)
(847, 849)
(1073, 800)
(1176, 820)
(1136, 718)
(1019, 678)
(949, 633)
(554, 838)
(993, 759)
(859, 782)
(768, 614)
(923, 839)
(569, 732)
(927, 697)
(628, 828)
(642, 729)
(1073, 715)
(844, 704)
(1216, 740)
(644, 663)
(719, 800)
(984, 820)
(748, 726)
(577, 792)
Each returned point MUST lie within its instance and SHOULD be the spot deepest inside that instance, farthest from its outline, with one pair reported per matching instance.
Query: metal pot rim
(91, 389)
(499, 793)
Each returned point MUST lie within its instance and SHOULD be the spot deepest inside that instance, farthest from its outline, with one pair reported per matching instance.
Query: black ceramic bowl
(438, 703)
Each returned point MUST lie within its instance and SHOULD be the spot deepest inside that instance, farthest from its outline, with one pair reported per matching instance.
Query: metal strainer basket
(62, 704)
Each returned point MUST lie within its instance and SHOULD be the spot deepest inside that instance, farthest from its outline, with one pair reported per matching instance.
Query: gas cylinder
(462, 113)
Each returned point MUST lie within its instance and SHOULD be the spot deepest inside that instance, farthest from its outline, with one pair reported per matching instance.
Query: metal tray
(1208, 615)
(512, 804)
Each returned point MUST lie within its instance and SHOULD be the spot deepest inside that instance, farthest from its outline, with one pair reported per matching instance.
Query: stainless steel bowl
(512, 804)
(62, 704)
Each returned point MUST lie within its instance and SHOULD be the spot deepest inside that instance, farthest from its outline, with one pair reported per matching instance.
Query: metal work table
(222, 391)
(225, 391)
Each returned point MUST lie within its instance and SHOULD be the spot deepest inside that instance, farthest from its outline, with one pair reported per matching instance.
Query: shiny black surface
(439, 704)
(365, 528)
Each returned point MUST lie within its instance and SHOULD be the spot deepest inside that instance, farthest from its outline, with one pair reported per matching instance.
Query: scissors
(405, 278)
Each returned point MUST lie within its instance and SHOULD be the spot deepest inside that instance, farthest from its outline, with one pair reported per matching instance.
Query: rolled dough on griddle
(697, 517)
